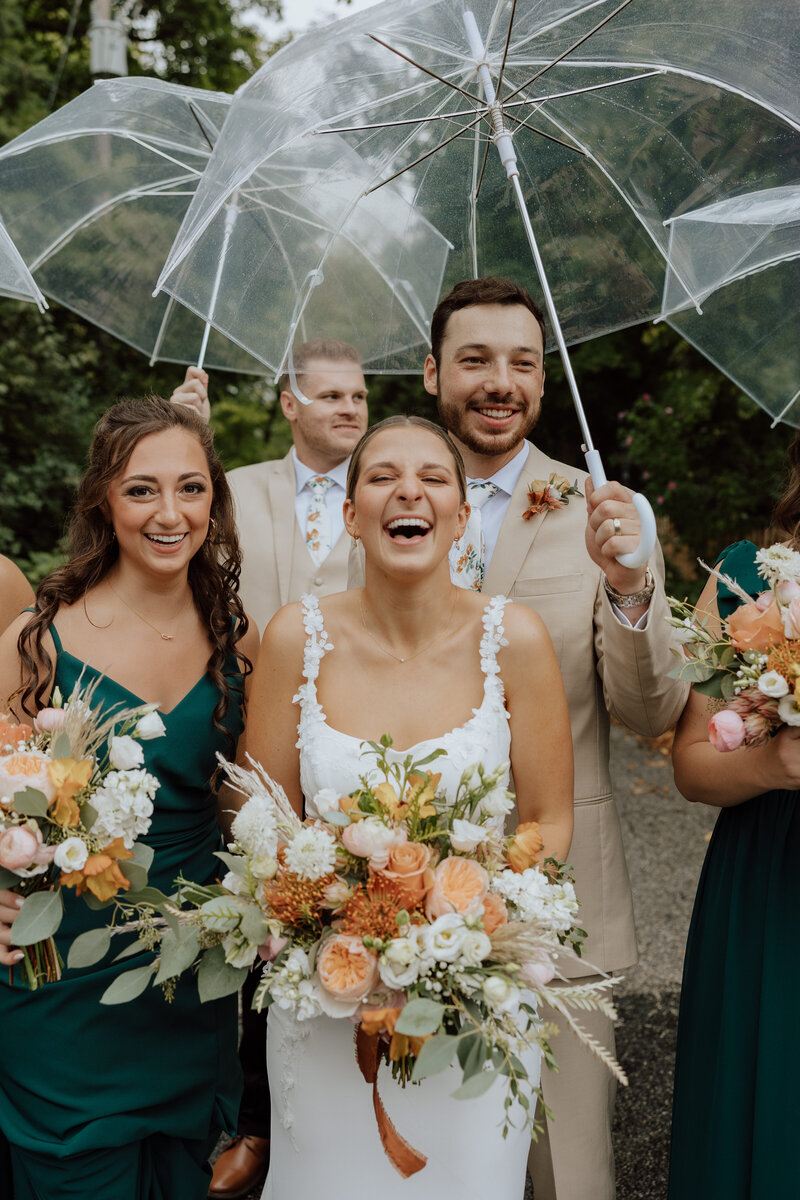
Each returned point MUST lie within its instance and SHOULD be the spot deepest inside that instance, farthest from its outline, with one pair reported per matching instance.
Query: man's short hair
(470, 292)
(328, 348)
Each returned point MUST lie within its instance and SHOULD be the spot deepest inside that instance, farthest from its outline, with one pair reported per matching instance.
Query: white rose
(475, 947)
(125, 754)
(150, 726)
(326, 800)
(501, 994)
(71, 855)
(772, 683)
(263, 866)
(498, 802)
(234, 883)
(465, 836)
(238, 952)
(398, 965)
(445, 937)
(788, 710)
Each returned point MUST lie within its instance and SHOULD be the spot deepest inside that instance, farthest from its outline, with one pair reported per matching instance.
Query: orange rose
(495, 913)
(524, 847)
(752, 628)
(459, 885)
(346, 968)
(409, 866)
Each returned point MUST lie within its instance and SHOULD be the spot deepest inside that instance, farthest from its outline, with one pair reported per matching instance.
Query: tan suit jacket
(276, 565)
(607, 668)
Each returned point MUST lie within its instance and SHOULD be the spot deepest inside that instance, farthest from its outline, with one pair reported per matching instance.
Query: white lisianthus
(498, 802)
(788, 711)
(398, 965)
(475, 947)
(501, 994)
(254, 827)
(311, 853)
(124, 753)
(71, 854)
(238, 951)
(124, 806)
(234, 883)
(772, 683)
(445, 937)
(778, 562)
(326, 800)
(150, 726)
(465, 836)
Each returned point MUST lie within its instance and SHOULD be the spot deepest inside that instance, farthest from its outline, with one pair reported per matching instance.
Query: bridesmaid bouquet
(753, 662)
(73, 801)
(409, 914)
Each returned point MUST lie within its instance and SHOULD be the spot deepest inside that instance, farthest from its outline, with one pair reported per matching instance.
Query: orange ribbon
(403, 1157)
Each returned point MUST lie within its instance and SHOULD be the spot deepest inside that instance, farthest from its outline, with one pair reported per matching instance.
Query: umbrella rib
(591, 87)
(462, 112)
(447, 83)
(504, 59)
(550, 137)
(585, 37)
(196, 115)
(422, 157)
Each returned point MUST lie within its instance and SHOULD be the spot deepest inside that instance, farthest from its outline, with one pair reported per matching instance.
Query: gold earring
(211, 533)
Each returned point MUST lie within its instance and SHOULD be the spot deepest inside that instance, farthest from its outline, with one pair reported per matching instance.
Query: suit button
(317, 581)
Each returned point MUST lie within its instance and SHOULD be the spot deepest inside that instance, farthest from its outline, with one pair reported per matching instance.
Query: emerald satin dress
(126, 1102)
(734, 1126)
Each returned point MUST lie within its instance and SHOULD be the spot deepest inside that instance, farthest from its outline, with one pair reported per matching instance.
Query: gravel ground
(665, 842)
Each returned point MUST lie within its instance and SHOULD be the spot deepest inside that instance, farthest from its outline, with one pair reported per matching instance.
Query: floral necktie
(318, 524)
(467, 568)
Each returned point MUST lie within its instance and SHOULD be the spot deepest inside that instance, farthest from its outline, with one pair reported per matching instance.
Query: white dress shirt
(334, 497)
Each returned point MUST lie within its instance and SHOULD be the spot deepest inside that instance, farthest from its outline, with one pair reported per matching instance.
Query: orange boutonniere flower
(547, 494)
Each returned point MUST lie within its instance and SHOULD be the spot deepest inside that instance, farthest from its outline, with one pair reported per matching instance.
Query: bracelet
(634, 599)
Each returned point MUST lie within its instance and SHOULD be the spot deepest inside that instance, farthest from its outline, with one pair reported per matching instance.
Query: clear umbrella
(16, 281)
(93, 196)
(608, 119)
(734, 292)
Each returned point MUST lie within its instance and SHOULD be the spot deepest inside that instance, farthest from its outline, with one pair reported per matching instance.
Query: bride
(435, 666)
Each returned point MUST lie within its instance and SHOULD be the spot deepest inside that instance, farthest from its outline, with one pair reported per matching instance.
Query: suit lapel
(282, 490)
(516, 535)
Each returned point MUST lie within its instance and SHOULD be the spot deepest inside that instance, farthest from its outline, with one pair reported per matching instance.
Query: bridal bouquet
(73, 801)
(407, 912)
(753, 662)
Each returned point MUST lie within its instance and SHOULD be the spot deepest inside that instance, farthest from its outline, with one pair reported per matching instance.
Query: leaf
(420, 1017)
(253, 925)
(429, 758)
(9, 879)
(88, 816)
(129, 985)
(178, 952)
(472, 1054)
(710, 687)
(728, 688)
(135, 873)
(216, 978)
(147, 895)
(335, 817)
(435, 1056)
(31, 803)
(136, 947)
(61, 747)
(88, 948)
(39, 918)
(476, 1085)
(142, 855)
(234, 862)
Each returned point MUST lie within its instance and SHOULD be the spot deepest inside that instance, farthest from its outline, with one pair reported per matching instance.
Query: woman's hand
(10, 904)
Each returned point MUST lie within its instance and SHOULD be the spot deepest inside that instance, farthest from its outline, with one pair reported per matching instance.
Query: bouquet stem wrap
(403, 1157)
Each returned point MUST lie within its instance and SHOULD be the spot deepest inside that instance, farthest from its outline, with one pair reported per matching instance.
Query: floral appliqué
(549, 494)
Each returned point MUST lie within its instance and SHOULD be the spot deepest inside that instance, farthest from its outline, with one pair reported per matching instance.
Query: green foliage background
(664, 418)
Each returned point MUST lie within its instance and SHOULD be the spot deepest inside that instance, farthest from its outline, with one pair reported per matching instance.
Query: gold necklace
(166, 637)
(422, 649)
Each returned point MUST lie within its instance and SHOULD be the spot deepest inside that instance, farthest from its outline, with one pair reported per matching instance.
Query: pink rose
(537, 974)
(373, 840)
(50, 720)
(726, 730)
(272, 947)
(22, 847)
(786, 591)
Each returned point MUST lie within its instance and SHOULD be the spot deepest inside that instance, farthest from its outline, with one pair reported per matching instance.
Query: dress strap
(56, 639)
(316, 647)
(491, 642)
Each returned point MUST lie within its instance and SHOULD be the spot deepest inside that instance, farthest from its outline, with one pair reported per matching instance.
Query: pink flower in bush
(726, 730)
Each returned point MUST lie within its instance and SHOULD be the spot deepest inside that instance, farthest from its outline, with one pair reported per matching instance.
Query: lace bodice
(332, 759)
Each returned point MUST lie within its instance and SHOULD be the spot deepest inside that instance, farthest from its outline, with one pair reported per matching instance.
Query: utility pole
(108, 42)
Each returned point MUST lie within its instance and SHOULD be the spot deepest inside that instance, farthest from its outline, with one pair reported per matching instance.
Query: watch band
(633, 599)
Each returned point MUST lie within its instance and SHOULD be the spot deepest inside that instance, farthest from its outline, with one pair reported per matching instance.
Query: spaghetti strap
(56, 639)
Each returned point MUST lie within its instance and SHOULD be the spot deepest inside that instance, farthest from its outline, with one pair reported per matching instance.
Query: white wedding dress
(325, 1140)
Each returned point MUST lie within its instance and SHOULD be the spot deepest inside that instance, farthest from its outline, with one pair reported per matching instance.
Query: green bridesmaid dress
(126, 1102)
(734, 1118)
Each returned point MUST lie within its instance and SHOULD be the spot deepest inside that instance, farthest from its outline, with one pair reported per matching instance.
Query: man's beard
(477, 441)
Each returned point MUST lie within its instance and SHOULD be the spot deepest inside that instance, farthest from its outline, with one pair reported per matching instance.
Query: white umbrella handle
(647, 543)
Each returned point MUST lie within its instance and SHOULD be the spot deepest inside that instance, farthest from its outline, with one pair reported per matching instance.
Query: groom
(486, 368)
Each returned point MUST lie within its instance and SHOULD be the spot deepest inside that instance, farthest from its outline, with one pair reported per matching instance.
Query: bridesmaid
(15, 592)
(126, 1103)
(738, 1061)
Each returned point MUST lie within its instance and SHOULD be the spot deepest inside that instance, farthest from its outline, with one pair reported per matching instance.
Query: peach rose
(524, 847)
(25, 769)
(752, 628)
(409, 866)
(11, 734)
(495, 913)
(22, 847)
(346, 968)
(459, 885)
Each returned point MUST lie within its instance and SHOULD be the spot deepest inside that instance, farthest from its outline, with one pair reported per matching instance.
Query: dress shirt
(335, 496)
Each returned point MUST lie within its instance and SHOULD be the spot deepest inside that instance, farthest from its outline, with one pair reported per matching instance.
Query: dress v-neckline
(121, 686)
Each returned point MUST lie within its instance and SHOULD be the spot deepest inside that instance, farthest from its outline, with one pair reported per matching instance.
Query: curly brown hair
(213, 571)
(787, 510)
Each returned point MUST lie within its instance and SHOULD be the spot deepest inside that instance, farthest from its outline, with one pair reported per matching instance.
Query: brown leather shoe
(240, 1168)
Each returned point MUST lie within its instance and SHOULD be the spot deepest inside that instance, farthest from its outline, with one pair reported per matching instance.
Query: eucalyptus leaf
(142, 855)
(9, 879)
(147, 895)
(254, 925)
(39, 918)
(335, 817)
(178, 951)
(61, 747)
(710, 687)
(476, 1085)
(472, 1054)
(728, 687)
(88, 816)
(435, 1056)
(136, 873)
(420, 1017)
(88, 948)
(31, 803)
(128, 986)
(132, 948)
(216, 978)
(234, 862)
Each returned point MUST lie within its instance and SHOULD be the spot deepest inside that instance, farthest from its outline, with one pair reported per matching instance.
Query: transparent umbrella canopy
(738, 298)
(93, 197)
(16, 281)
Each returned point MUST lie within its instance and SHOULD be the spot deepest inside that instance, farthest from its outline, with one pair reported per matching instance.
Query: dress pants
(573, 1158)
(254, 1112)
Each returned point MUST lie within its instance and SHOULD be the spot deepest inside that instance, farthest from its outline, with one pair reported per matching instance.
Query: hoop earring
(211, 535)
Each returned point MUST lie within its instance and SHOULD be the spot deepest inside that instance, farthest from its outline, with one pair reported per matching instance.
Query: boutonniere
(546, 494)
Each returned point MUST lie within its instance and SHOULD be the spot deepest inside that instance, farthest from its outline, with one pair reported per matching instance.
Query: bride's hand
(10, 904)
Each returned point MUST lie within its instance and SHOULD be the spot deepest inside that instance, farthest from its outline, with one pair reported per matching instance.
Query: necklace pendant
(167, 637)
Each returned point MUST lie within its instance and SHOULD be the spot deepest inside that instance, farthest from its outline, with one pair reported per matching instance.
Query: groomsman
(486, 368)
(289, 514)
